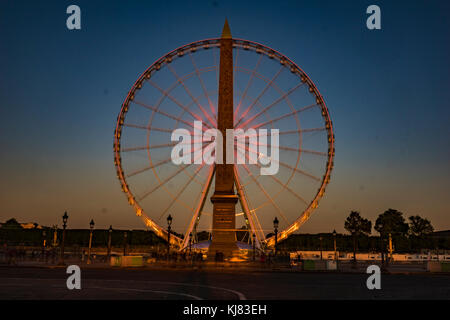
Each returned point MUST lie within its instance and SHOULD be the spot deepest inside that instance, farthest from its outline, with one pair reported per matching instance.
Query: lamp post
(65, 218)
(275, 229)
(55, 235)
(169, 228)
(254, 257)
(334, 241)
(91, 225)
(190, 242)
(384, 247)
(130, 241)
(320, 240)
(108, 255)
(390, 246)
(125, 243)
(44, 242)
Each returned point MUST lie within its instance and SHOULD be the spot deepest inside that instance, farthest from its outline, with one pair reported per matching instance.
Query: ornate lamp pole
(390, 247)
(190, 242)
(44, 242)
(169, 228)
(55, 235)
(383, 251)
(253, 236)
(275, 229)
(125, 243)
(91, 225)
(130, 241)
(320, 240)
(108, 255)
(65, 217)
(334, 241)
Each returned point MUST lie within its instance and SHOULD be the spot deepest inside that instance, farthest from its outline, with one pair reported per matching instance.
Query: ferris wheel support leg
(245, 208)
(198, 210)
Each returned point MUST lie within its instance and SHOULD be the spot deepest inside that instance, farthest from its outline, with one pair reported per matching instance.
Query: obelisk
(224, 199)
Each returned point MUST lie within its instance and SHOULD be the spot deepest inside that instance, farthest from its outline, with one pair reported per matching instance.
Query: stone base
(223, 234)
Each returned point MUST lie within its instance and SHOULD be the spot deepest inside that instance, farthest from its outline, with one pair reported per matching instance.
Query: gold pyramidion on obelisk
(226, 32)
(224, 199)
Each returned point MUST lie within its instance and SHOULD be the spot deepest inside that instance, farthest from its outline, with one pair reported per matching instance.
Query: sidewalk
(361, 267)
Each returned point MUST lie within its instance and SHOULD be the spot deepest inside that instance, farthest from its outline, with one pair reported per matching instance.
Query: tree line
(413, 235)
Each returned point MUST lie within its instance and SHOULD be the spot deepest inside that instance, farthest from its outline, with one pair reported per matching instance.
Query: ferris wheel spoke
(254, 212)
(199, 208)
(149, 167)
(165, 145)
(206, 114)
(211, 106)
(244, 114)
(176, 83)
(271, 105)
(174, 199)
(148, 128)
(286, 165)
(288, 132)
(183, 167)
(301, 131)
(168, 95)
(250, 81)
(284, 116)
(300, 150)
(264, 192)
(277, 180)
(246, 208)
(298, 171)
(168, 115)
(317, 153)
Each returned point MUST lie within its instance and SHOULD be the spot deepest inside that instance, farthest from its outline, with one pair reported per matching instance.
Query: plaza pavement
(212, 282)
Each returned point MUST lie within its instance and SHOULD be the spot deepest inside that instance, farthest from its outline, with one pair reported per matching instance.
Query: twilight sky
(387, 91)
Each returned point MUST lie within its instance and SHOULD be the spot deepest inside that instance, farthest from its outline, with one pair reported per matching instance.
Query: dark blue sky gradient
(387, 91)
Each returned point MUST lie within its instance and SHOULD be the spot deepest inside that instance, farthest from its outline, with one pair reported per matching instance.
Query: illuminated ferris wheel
(269, 92)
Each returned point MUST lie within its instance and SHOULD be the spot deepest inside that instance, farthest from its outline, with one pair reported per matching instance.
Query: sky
(61, 90)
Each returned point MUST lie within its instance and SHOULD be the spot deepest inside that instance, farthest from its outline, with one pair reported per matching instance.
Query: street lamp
(169, 224)
(44, 242)
(108, 255)
(335, 248)
(130, 241)
(190, 242)
(275, 229)
(320, 240)
(65, 218)
(253, 236)
(125, 243)
(390, 247)
(55, 235)
(91, 225)
(384, 256)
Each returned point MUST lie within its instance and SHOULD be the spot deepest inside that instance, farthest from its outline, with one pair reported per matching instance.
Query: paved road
(47, 283)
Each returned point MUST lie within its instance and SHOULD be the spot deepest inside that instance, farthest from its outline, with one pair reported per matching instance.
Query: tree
(11, 224)
(391, 221)
(419, 226)
(357, 225)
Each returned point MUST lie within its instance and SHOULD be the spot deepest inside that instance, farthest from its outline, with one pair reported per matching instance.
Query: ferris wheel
(269, 92)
